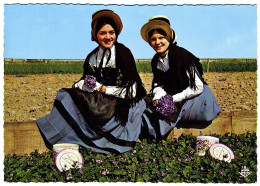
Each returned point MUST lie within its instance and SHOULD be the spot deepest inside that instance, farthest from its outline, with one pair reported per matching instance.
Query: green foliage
(230, 66)
(150, 161)
(144, 66)
(42, 68)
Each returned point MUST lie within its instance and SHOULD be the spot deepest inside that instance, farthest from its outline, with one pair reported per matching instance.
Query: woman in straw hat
(103, 110)
(179, 92)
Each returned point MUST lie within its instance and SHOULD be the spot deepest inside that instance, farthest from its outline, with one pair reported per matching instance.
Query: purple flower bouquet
(90, 82)
(165, 105)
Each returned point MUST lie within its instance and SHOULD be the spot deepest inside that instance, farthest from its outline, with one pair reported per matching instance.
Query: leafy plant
(230, 66)
(145, 66)
(150, 161)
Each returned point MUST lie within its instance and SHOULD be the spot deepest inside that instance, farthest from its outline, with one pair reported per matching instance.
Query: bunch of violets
(90, 81)
(165, 105)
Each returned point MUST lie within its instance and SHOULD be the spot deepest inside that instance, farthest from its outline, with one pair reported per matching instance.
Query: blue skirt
(202, 108)
(65, 124)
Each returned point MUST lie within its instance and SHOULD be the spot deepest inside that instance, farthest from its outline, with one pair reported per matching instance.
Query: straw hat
(105, 13)
(158, 22)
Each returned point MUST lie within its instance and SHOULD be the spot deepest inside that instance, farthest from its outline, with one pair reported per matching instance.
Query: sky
(62, 31)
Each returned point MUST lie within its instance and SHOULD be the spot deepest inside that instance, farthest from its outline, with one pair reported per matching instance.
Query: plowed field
(29, 97)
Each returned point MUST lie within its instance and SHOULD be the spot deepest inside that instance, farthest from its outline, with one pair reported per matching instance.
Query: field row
(77, 67)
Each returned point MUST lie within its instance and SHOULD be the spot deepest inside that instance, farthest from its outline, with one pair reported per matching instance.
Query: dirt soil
(29, 97)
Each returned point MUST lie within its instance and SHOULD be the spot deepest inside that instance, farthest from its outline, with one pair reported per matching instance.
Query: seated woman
(103, 110)
(179, 92)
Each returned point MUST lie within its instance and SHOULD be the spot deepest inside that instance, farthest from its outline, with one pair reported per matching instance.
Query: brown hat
(105, 13)
(158, 22)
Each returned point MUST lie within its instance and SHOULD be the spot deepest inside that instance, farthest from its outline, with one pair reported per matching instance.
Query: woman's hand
(102, 89)
(79, 84)
(155, 102)
(158, 93)
(99, 87)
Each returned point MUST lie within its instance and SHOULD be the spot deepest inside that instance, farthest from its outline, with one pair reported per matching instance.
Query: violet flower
(165, 105)
(105, 172)
(165, 159)
(80, 171)
(99, 161)
(69, 176)
(90, 81)
(146, 160)
(163, 174)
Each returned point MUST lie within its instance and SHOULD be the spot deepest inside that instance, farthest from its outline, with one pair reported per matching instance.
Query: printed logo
(244, 171)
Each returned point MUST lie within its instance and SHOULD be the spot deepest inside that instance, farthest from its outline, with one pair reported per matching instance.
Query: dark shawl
(125, 64)
(175, 80)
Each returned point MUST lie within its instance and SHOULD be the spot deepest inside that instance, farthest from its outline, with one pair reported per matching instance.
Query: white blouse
(95, 61)
(163, 64)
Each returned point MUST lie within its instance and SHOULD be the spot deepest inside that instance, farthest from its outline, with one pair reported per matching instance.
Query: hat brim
(156, 24)
(109, 14)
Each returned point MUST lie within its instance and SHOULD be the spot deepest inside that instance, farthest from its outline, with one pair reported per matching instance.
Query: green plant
(230, 66)
(41, 68)
(144, 66)
(150, 161)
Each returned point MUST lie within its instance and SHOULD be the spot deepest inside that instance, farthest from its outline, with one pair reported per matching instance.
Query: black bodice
(169, 81)
(107, 76)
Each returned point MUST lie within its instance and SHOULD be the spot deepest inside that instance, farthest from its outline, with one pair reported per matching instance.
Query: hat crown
(158, 22)
(105, 13)
(160, 18)
(99, 11)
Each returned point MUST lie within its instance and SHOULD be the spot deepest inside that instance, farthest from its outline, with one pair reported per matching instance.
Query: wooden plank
(22, 138)
(220, 125)
(244, 121)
